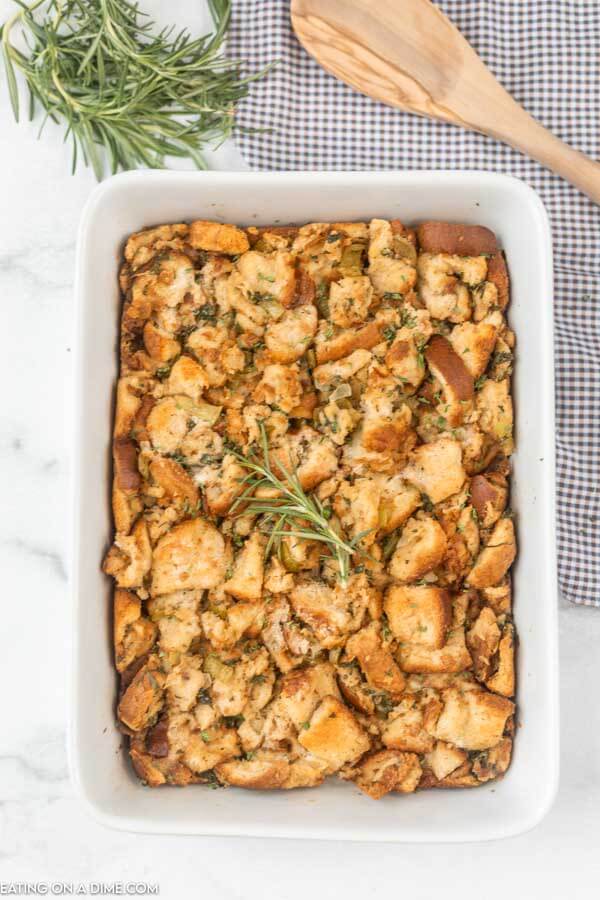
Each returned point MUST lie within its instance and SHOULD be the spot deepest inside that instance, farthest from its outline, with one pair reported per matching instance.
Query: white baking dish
(337, 810)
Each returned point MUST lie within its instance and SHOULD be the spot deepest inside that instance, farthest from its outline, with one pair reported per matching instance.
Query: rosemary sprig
(102, 68)
(293, 512)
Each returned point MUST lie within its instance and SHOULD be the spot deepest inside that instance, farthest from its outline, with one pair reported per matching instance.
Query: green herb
(389, 545)
(384, 703)
(305, 725)
(262, 277)
(407, 320)
(392, 295)
(232, 721)
(389, 333)
(504, 356)
(427, 504)
(206, 311)
(120, 85)
(322, 299)
(292, 513)
(205, 736)
(163, 372)
(333, 236)
(479, 382)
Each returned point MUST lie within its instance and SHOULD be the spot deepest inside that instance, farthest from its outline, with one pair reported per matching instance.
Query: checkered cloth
(547, 54)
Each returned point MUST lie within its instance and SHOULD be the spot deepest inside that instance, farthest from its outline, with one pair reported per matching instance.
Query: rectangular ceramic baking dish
(337, 810)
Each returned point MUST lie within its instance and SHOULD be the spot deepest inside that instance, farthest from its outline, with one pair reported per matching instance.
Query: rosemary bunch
(102, 68)
(293, 512)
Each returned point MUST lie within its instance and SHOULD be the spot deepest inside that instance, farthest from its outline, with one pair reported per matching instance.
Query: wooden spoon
(408, 54)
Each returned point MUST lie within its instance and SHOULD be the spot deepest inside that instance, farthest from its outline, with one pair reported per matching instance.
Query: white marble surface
(44, 833)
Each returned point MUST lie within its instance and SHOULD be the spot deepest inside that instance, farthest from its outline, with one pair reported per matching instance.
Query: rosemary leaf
(126, 92)
(292, 512)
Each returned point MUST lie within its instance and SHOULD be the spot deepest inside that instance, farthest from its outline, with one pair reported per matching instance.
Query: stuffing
(473, 344)
(178, 620)
(436, 469)
(202, 749)
(289, 338)
(354, 690)
(140, 247)
(399, 500)
(502, 681)
(167, 425)
(246, 579)
(330, 347)
(420, 549)
(405, 727)
(224, 485)
(461, 240)
(444, 283)
(210, 344)
(184, 683)
(388, 770)
(350, 300)
(495, 409)
(225, 628)
(190, 556)
(264, 771)
(357, 506)
(160, 345)
(452, 656)
(472, 720)
(331, 613)
(489, 494)
(187, 377)
(444, 759)
(454, 377)
(133, 633)
(405, 358)
(218, 238)
(312, 454)
(175, 483)
(386, 417)
(269, 276)
(143, 697)
(337, 422)
(129, 560)
(311, 471)
(334, 735)
(375, 659)
(495, 558)
(331, 374)
(419, 614)
(302, 691)
(392, 258)
(279, 387)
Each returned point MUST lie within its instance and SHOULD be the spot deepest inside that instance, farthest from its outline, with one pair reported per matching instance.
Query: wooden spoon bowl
(407, 53)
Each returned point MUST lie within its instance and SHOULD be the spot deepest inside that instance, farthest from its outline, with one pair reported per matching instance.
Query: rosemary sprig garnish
(293, 512)
(101, 67)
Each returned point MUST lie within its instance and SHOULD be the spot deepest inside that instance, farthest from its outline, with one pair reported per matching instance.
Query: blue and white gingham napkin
(547, 54)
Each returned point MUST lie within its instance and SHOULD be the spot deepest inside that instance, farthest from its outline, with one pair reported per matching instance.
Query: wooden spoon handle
(512, 124)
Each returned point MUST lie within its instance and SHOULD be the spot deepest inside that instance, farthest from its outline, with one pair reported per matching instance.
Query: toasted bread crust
(456, 240)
